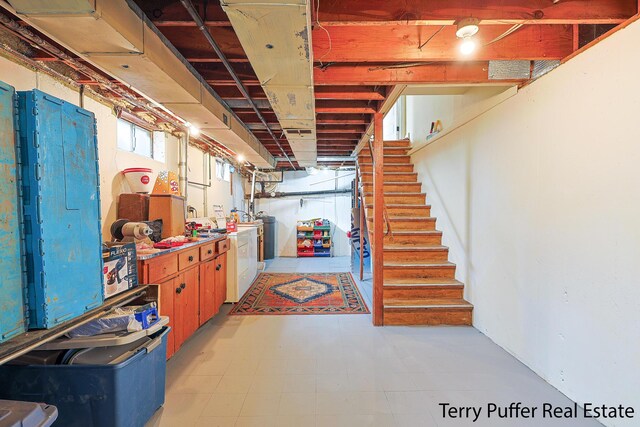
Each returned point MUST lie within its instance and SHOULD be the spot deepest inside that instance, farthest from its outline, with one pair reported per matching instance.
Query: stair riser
(401, 199)
(425, 272)
(397, 224)
(409, 187)
(413, 240)
(395, 151)
(388, 167)
(397, 144)
(387, 159)
(412, 211)
(408, 177)
(417, 255)
(431, 317)
(423, 292)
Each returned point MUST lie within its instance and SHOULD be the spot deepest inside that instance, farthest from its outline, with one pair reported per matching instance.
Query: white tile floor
(339, 370)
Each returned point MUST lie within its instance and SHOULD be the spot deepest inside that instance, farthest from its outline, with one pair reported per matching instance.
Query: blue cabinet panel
(12, 306)
(61, 208)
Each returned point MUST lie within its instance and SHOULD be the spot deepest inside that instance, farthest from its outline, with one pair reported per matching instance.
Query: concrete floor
(339, 370)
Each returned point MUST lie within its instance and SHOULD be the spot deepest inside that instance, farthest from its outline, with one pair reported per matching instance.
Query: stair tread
(417, 282)
(410, 248)
(425, 263)
(397, 193)
(412, 232)
(427, 303)
(401, 206)
(410, 218)
(390, 173)
(396, 183)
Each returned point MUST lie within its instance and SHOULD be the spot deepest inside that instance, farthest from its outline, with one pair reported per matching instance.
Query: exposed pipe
(25, 33)
(207, 35)
(303, 193)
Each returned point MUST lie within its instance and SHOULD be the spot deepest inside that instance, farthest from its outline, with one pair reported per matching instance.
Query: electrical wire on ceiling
(402, 65)
(325, 30)
(431, 38)
(507, 33)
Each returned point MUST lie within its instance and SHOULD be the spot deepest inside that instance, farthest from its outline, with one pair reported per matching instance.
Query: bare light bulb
(240, 158)
(194, 131)
(467, 46)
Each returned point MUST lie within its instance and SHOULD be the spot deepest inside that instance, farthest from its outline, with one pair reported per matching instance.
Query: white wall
(112, 160)
(539, 202)
(335, 207)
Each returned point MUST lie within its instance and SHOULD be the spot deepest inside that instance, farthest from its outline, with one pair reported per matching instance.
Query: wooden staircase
(419, 281)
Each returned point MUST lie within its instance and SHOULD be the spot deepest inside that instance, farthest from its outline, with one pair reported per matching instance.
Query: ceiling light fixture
(194, 131)
(240, 158)
(467, 28)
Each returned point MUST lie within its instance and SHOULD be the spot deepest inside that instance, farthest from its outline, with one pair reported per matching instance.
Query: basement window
(136, 139)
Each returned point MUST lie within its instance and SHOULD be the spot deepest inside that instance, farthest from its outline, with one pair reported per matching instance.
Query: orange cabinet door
(191, 297)
(179, 311)
(208, 307)
(221, 280)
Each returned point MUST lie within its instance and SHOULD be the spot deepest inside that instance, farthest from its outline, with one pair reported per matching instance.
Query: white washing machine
(242, 261)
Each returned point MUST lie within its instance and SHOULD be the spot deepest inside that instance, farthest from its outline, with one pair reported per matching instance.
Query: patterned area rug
(298, 293)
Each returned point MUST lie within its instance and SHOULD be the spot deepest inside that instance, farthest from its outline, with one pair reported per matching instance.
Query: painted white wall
(538, 201)
(112, 160)
(335, 207)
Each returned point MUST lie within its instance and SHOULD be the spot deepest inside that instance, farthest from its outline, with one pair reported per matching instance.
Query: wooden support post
(362, 225)
(576, 37)
(378, 233)
(358, 200)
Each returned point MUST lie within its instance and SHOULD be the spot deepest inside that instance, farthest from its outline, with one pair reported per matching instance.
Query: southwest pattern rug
(302, 293)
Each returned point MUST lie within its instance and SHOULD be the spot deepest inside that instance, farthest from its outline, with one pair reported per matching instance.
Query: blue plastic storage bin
(61, 204)
(125, 394)
(12, 305)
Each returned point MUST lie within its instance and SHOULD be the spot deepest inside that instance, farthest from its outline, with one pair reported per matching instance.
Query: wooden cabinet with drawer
(189, 286)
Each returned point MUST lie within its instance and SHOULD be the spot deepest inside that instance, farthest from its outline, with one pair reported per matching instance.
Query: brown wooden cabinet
(189, 286)
(208, 291)
(221, 280)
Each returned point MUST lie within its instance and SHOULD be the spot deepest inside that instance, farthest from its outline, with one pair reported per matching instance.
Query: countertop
(216, 237)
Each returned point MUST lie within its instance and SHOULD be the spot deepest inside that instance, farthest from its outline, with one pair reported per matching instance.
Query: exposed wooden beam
(378, 234)
(345, 110)
(348, 92)
(446, 12)
(216, 60)
(434, 73)
(401, 44)
(361, 121)
(162, 23)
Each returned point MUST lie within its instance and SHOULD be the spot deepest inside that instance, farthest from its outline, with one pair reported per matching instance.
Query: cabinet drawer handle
(218, 267)
(209, 252)
(178, 290)
(183, 285)
(190, 258)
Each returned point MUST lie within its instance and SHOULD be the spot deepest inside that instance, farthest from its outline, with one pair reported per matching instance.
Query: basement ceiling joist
(447, 12)
(116, 37)
(386, 43)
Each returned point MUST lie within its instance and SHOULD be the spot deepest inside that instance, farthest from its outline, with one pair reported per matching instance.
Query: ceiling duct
(276, 37)
(117, 37)
(509, 70)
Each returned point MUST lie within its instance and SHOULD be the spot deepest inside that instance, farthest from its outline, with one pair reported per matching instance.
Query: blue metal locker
(12, 307)
(61, 199)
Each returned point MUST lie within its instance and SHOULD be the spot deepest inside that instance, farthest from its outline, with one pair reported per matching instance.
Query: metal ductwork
(117, 37)
(276, 37)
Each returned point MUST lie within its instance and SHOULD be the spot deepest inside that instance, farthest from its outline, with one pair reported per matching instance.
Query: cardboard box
(120, 268)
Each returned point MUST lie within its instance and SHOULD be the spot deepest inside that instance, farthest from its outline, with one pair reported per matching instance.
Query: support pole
(356, 197)
(378, 222)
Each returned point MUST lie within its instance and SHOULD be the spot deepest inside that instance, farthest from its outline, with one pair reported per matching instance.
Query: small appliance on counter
(123, 230)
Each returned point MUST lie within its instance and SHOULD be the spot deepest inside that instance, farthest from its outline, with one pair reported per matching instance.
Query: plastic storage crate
(121, 394)
(61, 204)
(12, 307)
(27, 414)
